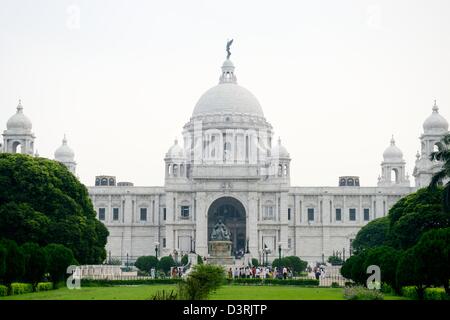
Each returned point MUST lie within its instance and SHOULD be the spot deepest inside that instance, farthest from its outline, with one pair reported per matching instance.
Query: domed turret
(19, 122)
(64, 153)
(280, 151)
(435, 123)
(18, 138)
(66, 156)
(392, 153)
(393, 170)
(175, 151)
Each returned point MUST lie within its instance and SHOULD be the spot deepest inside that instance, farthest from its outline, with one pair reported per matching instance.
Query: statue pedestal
(192, 258)
(220, 252)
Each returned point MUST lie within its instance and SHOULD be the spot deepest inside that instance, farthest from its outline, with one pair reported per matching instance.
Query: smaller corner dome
(64, 153)
(19, 121)
(175, 151)
(279, 150)
(435, 122)
(393, 153)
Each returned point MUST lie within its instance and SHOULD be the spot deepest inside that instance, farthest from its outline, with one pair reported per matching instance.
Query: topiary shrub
(44, 286)
(3, 290)
(201, 282)
(21, 288)
(361, 293)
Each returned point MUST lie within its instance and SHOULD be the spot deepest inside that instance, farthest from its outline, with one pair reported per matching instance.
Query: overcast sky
(121, 78)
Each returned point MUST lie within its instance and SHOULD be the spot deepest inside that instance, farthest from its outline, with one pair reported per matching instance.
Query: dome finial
(64, 139)
(435, 107)
(19, 106)
(392, 140)
(279, 141)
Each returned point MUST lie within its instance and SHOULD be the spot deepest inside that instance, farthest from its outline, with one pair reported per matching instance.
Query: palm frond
(438, 176)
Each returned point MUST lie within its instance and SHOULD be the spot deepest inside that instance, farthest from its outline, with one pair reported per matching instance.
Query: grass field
(143, 292)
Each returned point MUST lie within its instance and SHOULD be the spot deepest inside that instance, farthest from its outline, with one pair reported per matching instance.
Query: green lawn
(235, 292)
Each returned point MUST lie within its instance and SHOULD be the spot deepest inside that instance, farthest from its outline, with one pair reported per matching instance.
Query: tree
(346, 269)
(406, 232)
(443, 154)
(59, 258)
(357, 272)
(255, 262)
(372, 234)
(146, 263)
(201, 282)
(43, 202)
(14, 261)
(335, 260)
(433, 249)
(199, 259)
(295, 263)
(386, 258)
(165, 263)
(411, 271)
(415, 214)
(35, 262)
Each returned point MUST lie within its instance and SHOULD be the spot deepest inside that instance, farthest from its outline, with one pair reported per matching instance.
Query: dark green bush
(146, 263)
(165, 263)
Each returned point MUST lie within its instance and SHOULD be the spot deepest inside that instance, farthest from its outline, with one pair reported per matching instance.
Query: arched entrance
(232, 213)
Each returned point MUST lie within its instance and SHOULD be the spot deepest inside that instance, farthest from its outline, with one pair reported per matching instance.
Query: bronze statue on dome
(229, 42)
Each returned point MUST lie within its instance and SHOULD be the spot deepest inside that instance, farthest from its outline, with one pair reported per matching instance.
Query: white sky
(335, 78)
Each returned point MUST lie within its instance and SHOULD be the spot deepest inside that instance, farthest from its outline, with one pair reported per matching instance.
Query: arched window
(175, 170)
(280, 170)
(169, 169)
(181, 170)
(394, 175)
(104, 182)
(16, 147)
(285, 171)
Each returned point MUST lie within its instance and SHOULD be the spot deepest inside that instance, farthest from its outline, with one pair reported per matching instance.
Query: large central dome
(228, 97)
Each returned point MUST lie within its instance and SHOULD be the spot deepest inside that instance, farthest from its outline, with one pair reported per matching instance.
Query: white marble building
(230, 167)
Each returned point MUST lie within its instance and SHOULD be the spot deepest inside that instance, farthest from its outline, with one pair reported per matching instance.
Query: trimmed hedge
(44, 286)
(430, 293)
(131, 282)
(21, 288)
(3, 290)
(271, 281)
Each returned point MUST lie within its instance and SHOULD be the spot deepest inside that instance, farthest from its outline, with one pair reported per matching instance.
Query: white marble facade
(230, 167)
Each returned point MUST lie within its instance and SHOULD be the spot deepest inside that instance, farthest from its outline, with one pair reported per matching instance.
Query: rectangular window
(289, 243)
(115, 214)
(185, 212)
(366, 214)
(143, 214)
(164, 242)
(164, 214)
(268, 213)
(338, 214)
(352, 214)
(101, 214)
(310, 214)
(289, 213)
